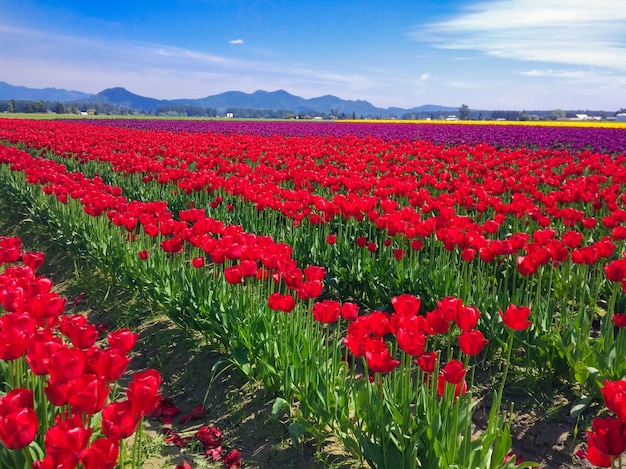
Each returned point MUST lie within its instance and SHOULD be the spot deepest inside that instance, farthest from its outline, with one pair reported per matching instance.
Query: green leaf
(296, 430)
(279, 405)
(580, 405)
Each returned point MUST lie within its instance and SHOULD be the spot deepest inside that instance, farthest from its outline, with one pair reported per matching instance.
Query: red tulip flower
(15, 332)
(472, 342)
(280, 302)
(66, 364)
(65, 441)
(233, 275)
(349, 311)
(467, 317)
(606, 440)
(143, 391)
(616, 270)
(515, 317)
(326, 311)
(109, 363)
(453, 372)
(619, 319)
(81, 333)
(102, 454)
(119, 420)
(378, 357)
(122, 340)
(87, 393)
(460, 388)
(614, 393)
(410, 338)
(33, 260)
(406, 305)
(18, 420)
(427, 361)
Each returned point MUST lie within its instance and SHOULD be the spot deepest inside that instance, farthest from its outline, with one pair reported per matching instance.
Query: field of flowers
(365, 273)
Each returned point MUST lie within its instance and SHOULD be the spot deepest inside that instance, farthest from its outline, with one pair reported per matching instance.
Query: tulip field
(379, 279)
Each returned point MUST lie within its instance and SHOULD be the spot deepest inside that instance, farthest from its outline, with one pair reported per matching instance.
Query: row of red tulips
(330, 393)
(514, 217)
(542, 238)
(60, 406)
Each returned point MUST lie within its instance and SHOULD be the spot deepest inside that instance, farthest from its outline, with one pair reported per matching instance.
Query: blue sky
(488, 54)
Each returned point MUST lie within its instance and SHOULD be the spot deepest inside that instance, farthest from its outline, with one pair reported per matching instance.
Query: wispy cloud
(573, 32)
(557, 73)
(236, 41)
(425, 76)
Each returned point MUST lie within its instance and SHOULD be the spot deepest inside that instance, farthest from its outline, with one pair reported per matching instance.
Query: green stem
(498, 398)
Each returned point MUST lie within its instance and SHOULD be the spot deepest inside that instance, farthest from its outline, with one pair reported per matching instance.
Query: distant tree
(557, 114)
(39, 106)
(11, 106)
(59, 108)
(464, 112)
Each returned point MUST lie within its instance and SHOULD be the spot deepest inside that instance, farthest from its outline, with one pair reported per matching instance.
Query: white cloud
(425, 76)
(557, 73)
(236, 41)
(573, 32)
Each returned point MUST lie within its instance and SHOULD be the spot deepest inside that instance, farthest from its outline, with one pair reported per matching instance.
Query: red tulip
(572, 239)
(515, 317)
(467, 317)
(280, 302)
(326, 311)
(232, 460)
(119, 420)
(66, 364)
(233, 275)
(378, 357)
(110, 363)
(460, 388)
(472, 342)
(453, 372)
(87, 393)
(15, 332)
(82, 333)
(349, 311)
(410, 337)
(122, 340)
(405, 304)
(606, 439)
(18, 420)
(616, 270)
(172, 245)
(102, 454)
(143, 391)
(427, 361)
(65, 441)
(34, 260)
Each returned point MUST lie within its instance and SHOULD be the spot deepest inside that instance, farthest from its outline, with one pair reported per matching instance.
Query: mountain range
(260, 99)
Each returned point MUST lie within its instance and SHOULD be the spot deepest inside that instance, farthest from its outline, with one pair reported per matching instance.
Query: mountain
(46, 94)
(123, 97)
(279, 100)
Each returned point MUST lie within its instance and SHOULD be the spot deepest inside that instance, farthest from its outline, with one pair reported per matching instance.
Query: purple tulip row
(574, 139)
